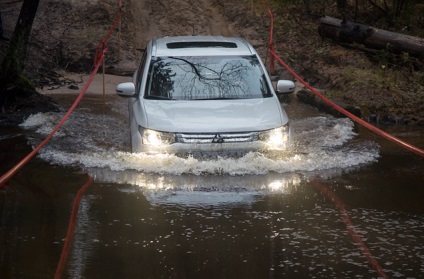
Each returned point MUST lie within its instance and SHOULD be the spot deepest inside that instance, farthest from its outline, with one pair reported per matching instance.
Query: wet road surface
(250, 217)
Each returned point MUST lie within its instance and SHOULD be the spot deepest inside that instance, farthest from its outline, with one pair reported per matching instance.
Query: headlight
(276, 138)
(151, 137)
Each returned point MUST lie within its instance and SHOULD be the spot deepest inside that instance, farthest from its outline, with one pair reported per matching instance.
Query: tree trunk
(350, 32)
(13, 63)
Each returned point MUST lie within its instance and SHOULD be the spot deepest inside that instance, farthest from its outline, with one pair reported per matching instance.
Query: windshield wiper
(155, 97)
(218, 98)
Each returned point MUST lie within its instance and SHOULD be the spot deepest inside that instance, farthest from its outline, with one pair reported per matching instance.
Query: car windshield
(206, 78)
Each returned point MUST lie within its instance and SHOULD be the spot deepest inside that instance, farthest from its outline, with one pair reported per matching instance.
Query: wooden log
(343, 31)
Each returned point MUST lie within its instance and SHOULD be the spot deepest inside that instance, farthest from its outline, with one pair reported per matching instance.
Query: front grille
(205, 138)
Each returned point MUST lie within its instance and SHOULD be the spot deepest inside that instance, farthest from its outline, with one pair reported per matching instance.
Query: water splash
(89, 141)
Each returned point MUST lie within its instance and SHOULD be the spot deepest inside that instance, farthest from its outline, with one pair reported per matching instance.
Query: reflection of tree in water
(208, 77)
(161, 82)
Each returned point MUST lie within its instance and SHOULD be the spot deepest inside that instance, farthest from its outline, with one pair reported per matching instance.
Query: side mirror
(285, 87)
(126, 89)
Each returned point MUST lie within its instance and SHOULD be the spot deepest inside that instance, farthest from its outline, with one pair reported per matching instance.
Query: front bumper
(153, 142)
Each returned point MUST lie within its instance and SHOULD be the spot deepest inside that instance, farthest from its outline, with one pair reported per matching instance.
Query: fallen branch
(343, 31)
(54, 80)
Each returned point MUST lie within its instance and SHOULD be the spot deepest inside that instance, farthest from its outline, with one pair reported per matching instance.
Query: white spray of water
(320, 143)
(99, 143)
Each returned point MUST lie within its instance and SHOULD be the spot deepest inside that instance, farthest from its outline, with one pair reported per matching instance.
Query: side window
(140, 71)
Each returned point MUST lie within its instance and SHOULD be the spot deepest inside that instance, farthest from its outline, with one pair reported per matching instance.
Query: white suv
(204, 93)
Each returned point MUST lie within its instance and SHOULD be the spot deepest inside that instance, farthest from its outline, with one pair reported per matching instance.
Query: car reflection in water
(205, 190)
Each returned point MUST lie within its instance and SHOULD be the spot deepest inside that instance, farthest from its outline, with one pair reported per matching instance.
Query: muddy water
(251, 217)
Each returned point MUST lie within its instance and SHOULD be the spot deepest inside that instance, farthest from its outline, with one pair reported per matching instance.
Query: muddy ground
(66, 34)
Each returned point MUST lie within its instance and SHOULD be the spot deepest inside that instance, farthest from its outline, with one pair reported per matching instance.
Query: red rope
(71, 229)
(350, 228)
(376, 130)
(118, 17)
(102, 46)
(339, 204)
(4, 178)
(271, 38)
(100, 54)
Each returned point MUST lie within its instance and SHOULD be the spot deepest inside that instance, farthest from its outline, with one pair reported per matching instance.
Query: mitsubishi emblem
(218, 139)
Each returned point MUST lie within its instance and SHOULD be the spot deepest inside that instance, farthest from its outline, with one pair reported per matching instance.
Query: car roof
(201, 46)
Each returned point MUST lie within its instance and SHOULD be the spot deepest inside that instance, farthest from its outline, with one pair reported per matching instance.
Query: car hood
(202, 116)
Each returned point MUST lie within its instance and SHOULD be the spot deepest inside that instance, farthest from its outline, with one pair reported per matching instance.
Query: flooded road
(151, 216)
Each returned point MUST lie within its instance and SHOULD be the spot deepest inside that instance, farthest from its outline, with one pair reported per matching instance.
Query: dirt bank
(66, 33)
